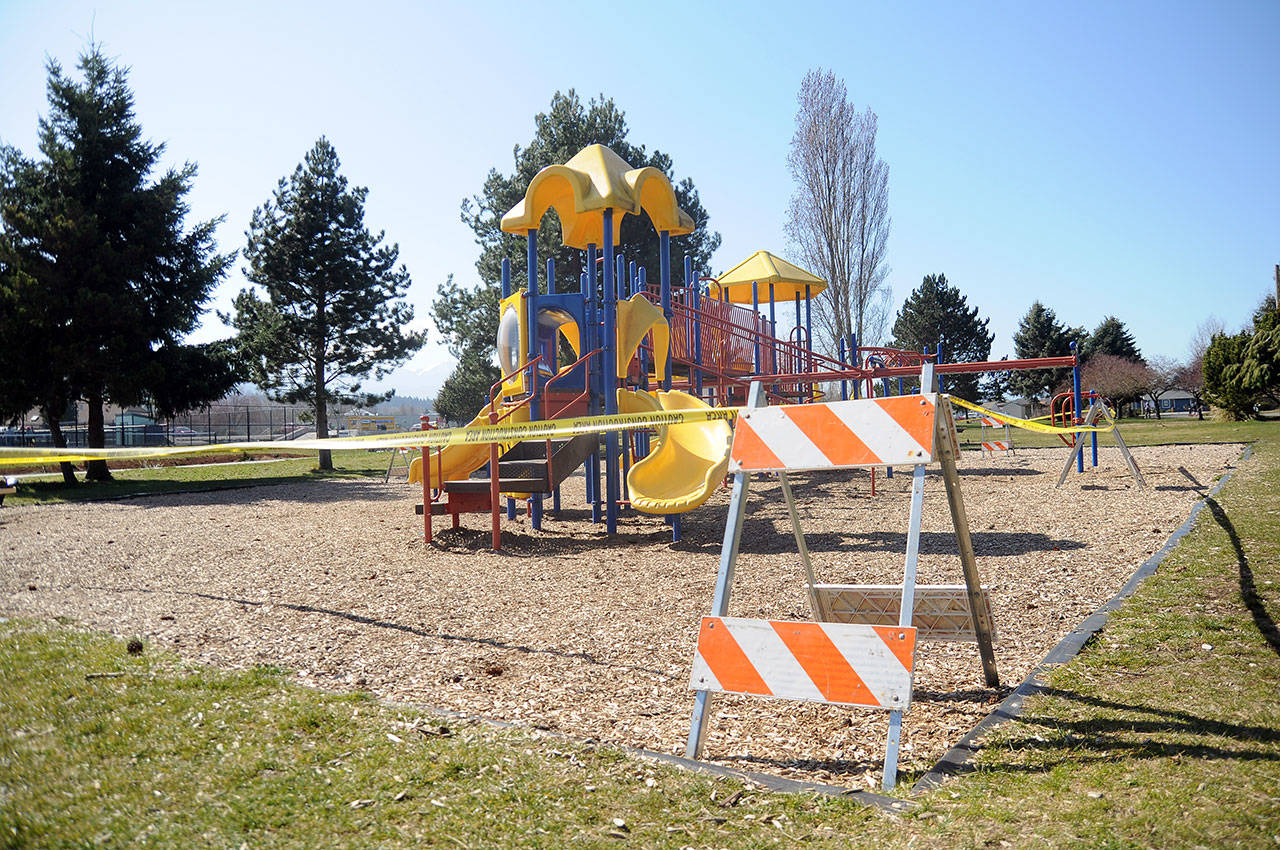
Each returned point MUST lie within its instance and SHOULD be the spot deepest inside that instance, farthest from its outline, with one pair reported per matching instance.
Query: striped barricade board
(868, 666)
(894, 431)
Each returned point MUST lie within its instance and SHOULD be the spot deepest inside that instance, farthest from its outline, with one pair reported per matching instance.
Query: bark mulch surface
(572, 631)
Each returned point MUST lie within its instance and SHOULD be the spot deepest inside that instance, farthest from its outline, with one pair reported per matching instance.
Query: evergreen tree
(103, 280)
(1040, 334)
(1223, 365)
(466, 391)
(565, 128)
(1112, 337)
(935, 314)
(1241, 372)
(332, 316)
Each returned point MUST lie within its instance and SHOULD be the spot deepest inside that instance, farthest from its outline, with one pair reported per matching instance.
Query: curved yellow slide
(460, 461)
(688, 464)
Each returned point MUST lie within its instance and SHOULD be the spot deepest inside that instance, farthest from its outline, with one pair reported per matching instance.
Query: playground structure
(638, 345)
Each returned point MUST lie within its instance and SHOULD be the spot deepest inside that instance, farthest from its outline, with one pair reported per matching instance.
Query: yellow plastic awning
(763, 268)
(594, 180)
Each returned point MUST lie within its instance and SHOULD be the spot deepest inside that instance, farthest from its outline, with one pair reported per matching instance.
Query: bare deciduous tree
(1163, 377)
(1117, 378)
(838, 218)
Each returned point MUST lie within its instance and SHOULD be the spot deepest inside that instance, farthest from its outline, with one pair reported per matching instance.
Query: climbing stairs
(527, 467)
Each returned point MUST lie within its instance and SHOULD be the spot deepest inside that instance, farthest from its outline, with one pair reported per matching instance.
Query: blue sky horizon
(1105, 159)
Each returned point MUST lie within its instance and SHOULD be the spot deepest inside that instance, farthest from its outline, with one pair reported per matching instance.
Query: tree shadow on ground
(1119, 735)
(316, 491)
(983, 471)
(1248, 588)
(770, 537)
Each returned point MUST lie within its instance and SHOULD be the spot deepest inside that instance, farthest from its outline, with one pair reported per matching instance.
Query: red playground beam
(876, 373)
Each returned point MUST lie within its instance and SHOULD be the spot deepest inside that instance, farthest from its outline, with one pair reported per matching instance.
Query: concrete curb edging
(955, 759)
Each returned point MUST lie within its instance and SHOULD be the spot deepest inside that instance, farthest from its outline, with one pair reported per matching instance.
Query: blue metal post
(1075, 391)
(664, 274)
(586, 337)
(610, 377)
(853, 358)
(938, 360)
(844, 385)
(1093, 437)
(535, 405)
(695, 303)
(808, 322)
(773, 332)
(595, 379)
(755, 318)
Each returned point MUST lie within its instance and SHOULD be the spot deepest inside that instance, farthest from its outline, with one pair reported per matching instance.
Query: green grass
(178, 479)
(1139, 432)
(1165, 732)
(173, 755)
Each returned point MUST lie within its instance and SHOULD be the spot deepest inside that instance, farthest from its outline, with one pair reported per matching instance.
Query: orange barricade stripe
(728, 663)
(831, 436)
(824, 664)
(901, 642)
(750, 451)
(914, 417)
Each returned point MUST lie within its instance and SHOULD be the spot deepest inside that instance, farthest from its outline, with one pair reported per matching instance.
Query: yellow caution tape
(1031, 425)
(438, 438)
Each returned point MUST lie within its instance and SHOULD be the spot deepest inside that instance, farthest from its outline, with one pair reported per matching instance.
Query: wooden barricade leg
(968, 561)
(724, 583)
(810, 580)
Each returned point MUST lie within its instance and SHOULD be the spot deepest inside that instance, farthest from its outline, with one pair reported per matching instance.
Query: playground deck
(592, 637)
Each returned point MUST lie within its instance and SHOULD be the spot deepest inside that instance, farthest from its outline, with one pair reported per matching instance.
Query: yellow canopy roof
(764, 268)
(594, 180)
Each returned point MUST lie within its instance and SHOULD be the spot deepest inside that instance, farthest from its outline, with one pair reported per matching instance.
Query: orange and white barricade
(853, 654)
(996, 436)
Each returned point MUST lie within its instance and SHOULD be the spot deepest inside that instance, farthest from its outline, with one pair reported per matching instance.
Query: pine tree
(332, 316)
(1041, 335)
(106, 280)
(935, 314)
(1112, 337)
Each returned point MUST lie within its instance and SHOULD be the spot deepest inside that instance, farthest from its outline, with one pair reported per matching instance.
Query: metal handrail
(563, 373)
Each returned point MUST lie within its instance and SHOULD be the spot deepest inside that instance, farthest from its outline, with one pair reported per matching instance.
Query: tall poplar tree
(104, 280)
(838, 217)
(936, 313)
(333, 315)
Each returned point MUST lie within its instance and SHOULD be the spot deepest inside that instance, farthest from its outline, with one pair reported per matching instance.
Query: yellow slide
(688, 463)
(460, 461)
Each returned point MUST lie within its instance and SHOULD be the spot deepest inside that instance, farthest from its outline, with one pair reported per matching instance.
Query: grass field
(50, 489)
(1165, 732)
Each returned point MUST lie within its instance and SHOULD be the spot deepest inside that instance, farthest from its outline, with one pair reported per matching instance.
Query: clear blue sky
(1106, 158)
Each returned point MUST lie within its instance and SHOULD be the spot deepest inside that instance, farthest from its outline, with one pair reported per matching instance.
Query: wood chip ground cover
(572, 631)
